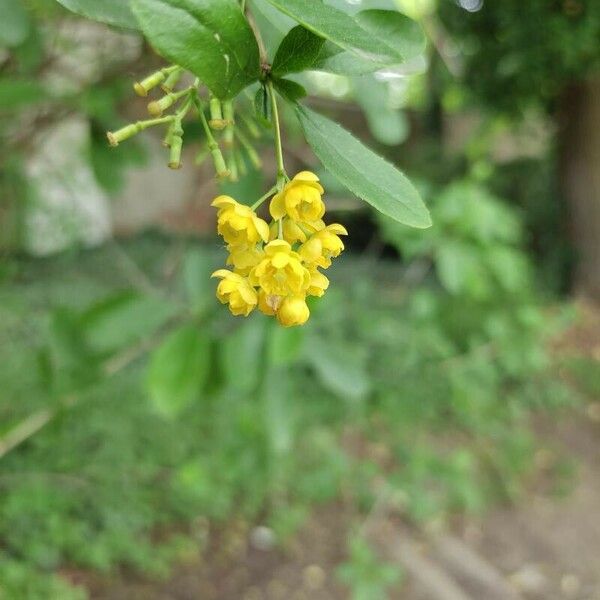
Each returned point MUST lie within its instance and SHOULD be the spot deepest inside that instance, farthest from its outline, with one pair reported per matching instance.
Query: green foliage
(297, 51)
(340, 28)
(253, 412)
(210, 38)
(113, 12)
(365, 574)
(179, 370)
(363, 172)
(539, 48)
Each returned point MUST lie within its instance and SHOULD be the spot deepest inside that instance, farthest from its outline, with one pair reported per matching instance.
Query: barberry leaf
(297, 52)
(113, 12)
(210, 38)
(290, 90)
(340, 28)
(362, 171)
(403, 34)
(179, 369)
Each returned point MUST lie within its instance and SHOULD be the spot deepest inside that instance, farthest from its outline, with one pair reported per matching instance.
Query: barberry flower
(244, 258)
(268, 304)
(301, 199)
(238, 224)
(292, 232)
(323, 245)
(281, 272)
(318, 283)
(293, 311)
(235, 290)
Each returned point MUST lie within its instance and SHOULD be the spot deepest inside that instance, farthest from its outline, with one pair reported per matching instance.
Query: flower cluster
(274, 267)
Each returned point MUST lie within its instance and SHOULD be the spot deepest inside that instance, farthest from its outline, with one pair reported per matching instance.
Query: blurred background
(432, 433)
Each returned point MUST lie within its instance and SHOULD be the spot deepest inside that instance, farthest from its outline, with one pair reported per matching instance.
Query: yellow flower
(323, 245)
(235, 290)
(318, 283)
(293, 311)
(244, 258)
(300, 199)
(281, 272)
(292, 232)
(238, 224)
(268, 304)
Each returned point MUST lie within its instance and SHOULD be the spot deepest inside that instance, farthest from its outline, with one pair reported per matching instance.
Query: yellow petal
(280, 260)
(262, 228)
(223, 201)
(277, 206)
(337, 229)
(222, 273)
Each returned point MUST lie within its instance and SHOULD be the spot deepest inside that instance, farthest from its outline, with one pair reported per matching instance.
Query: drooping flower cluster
(276, 266)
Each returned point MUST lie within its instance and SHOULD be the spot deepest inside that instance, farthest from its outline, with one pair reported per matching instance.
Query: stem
(281, 174)
(263, 198)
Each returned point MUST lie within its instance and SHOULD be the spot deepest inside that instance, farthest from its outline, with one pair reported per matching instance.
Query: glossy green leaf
(340, 28)
(179, 369)
(14, 23)
(113, 12)
(297, 52)
(210, 38)
(362, 171)
(399, 32)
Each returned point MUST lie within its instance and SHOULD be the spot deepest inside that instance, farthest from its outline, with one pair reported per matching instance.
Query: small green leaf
(210, 38)
(289, 89)
(113, 12)
(362, 171)
(297, 52)
(340, 28)
(14, 24)
(179, 369)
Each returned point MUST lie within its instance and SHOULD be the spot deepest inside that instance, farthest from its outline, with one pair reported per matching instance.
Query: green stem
(281, 174)
(211, 143)
(263, 198)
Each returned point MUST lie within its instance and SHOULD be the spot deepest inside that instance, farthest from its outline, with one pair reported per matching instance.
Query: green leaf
(290, 90)
(297, 52)
(14, 23)
(362, 171)
(113, 12)
(123, 319)
(340, 369)
(179, 369)
(242, 355)
(210, 38)
(340, 28)
(404, 35)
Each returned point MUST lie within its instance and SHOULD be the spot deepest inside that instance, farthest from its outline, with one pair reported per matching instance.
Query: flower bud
(143, 87)
(293, 311)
